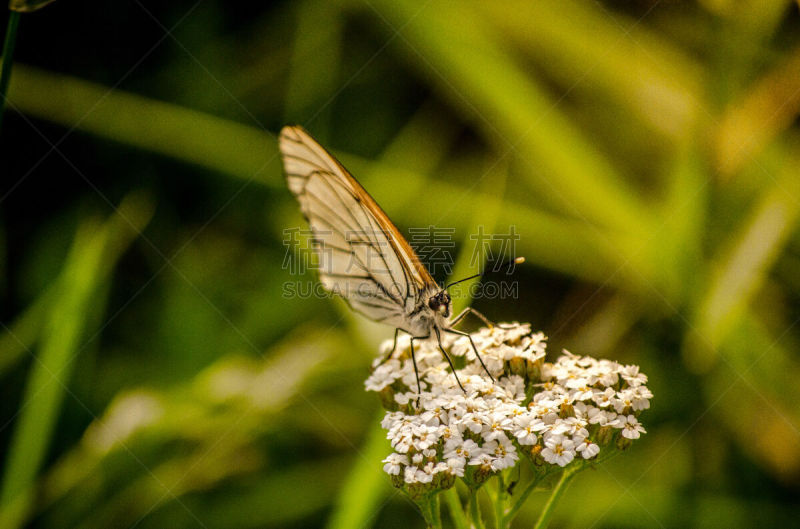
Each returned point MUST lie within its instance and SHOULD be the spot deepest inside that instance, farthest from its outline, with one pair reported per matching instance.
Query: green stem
(8, 57)
(500, 503)
(429, 505)
(523, 496)
(457, 513)
(558, 491)
(475, 509)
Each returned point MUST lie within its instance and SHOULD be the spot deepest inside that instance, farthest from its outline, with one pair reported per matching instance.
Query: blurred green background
(153, 374)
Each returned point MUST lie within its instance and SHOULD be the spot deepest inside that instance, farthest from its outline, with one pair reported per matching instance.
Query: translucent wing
(362, 256)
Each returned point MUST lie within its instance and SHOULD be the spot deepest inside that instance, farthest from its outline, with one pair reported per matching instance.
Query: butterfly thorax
(432, 311)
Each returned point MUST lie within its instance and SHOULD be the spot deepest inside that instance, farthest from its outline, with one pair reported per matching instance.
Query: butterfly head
(440, 303)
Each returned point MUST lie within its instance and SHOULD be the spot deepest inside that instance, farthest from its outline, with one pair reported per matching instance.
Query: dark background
(153, 372)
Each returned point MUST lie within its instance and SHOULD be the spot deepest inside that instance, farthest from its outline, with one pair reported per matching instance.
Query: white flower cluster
(549, 412)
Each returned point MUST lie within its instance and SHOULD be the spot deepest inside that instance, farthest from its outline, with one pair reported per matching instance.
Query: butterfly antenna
(508, 264)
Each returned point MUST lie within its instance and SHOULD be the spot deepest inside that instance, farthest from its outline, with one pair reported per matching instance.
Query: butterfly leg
(469, 310)
(483, 318)
(439, 339)
(461, 333)
(394, 347)
(416, 371)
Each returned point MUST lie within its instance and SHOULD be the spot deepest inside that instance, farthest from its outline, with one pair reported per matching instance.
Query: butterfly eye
(433, 303)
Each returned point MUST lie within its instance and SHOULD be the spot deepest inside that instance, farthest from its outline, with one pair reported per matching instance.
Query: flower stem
(500, 503)
(475, 509)
(8, 57)
(457, 513)
(523, 496)
(558, 491)
(429, 505)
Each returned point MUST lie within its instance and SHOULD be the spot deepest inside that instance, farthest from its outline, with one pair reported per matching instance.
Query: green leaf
(48, 381)
(27, 6)
(514, 112)
(358, 498)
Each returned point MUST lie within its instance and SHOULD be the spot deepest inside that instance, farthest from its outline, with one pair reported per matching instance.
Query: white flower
(574, 427)
(582, 393)
(635, 399)
(496, 426)
(631, 375)
(410, 474)
(575, 381)
(547, 410)
(455, 466)
(395, 463)
(607, 372)
(505, 454)
(444, 428)
(383, 376)
(517, 332)
(640, 398)
(558, 450)
(514, 386)
(404, 398)
(427, 473)
(588, 449)
(452, 437)
(604, 398)
(526, 428)
(601, 417)
(631, 429)
(468, 450)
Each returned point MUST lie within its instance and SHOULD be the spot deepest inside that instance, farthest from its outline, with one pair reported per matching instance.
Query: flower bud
(444, 480)
(397, 480)
(386, 396)
(536, 455)
(417, 490)
(517, 366)
(475, 476)
(535, 369)
(604, 435)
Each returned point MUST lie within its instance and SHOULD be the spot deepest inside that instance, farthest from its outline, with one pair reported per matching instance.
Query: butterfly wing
(362, 255)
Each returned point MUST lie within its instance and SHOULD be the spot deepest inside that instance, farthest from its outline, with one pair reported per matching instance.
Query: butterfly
(362, 255)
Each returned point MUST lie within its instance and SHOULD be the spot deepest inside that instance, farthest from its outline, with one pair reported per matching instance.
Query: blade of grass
(457, 514)
(280, 499)
(359, 496)
(676, 253)
(136, 210)
(592, 50)
(475, 510)
(740, 269)
(768, 108)
(562, 244)
(422, 144)
(314, 65)
(217, 419)
(757, 385)
(8, 58)
(449, 45)
(172, 130)
(45, 388)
